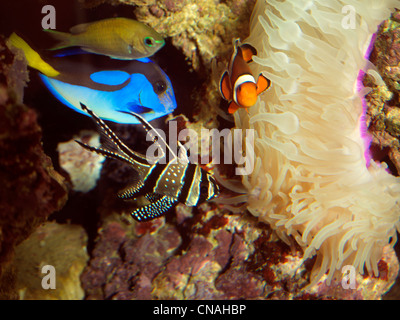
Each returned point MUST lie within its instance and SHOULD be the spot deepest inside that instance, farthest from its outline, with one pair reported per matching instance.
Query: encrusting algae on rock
(201, 29)
(60, 246)
(383, 114)
(31, 189)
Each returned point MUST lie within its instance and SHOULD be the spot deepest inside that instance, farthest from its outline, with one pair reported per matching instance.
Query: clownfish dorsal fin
(233, 107)
(236, 43)
(225, 86)
(263, 83)
(248, 51)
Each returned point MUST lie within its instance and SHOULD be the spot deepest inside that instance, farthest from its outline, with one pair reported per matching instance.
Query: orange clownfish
(237, 83)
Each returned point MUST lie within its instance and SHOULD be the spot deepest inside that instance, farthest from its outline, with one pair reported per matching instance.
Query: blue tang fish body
(113, 89)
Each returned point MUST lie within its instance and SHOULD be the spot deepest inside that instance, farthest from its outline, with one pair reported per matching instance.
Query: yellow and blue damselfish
(112, 87)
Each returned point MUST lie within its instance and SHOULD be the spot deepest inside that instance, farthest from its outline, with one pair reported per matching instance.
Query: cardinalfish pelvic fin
(163, 184)
(118, 38)
(114, 87)
(237, 84)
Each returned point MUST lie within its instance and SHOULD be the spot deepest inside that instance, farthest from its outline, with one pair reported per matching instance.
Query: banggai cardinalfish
(162, 184)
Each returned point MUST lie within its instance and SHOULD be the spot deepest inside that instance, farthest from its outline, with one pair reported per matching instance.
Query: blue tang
(111, 87)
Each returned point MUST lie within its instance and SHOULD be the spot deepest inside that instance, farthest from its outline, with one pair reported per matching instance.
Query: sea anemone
(311, 179)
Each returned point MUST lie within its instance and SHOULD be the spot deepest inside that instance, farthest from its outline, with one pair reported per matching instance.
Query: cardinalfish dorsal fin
(113, 142)
(155, 136)
(33, 58)
(105, 152)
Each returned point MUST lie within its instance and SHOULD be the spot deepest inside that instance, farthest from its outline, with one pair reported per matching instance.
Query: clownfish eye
(160, 86)
(149, 41)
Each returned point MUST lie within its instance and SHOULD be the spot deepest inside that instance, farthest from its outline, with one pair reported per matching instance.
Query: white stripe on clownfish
(239, 81)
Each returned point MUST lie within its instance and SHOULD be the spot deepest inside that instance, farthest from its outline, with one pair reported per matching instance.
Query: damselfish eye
(160, 86)
(149, 41)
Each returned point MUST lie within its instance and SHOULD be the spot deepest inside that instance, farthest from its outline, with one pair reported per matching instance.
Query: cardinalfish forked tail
(163, 184)
(114, 87)
(118, 38)
(237, 84)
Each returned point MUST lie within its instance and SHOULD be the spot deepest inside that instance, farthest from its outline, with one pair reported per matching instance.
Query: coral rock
(123, 266)
(61, 246)
(31, 189)
(82, 165)
(383, 107)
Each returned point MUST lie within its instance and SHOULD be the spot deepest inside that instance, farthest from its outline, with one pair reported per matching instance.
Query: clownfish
(113, 87)
(237, 83)
(118, 38)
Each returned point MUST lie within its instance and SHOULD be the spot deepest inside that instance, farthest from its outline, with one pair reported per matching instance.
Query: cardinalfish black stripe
(162, 184)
